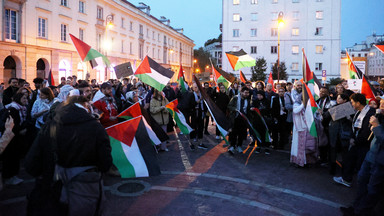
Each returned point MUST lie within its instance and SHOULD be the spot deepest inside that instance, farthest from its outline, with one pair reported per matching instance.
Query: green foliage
(282, 73)
(258, 71)
(334, 81)
(202, 58)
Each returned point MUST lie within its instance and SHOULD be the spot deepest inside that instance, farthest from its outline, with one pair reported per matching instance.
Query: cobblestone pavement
(213, 182)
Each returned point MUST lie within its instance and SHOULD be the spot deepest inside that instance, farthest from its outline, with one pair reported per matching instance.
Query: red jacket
(108, 107)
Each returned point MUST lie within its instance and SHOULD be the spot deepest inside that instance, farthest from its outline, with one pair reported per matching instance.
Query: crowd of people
(59, 130)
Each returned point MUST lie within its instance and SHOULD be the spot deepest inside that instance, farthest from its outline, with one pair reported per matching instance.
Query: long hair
(48, 92)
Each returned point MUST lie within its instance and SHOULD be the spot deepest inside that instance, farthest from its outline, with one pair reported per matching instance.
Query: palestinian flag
(270, 81)
(181, 80)
(366, 89)
(219, 78)
(310, 78)
(178, 117)
(132, 151)
(352, 69)
(260, 127)
(137, 110)
(310, 109)
(380, 47)
(87, 53)
(242, 77)
(51, 80)
(218, 116)
(240, 60)
(153, 74)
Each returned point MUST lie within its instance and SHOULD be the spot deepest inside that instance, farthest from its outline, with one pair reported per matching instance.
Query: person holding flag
(104, 102)
(221, 100)
(238, 104)
(303, 144)
(197, 118)
(160, 113)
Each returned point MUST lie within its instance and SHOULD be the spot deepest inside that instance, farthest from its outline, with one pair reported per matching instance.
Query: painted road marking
(183, 154)
(267, 186)
(226, 197)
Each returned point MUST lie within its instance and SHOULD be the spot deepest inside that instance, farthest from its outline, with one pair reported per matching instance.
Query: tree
(258, 71)
(282, 72)
(334, 81)
(213, 40)
(202, 58)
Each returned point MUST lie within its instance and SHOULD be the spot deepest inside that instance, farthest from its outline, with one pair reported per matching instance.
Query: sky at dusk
(201, 18)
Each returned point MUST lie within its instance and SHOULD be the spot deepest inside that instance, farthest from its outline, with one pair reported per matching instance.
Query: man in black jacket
(359, 143)
(279, 114)
(170, 95)
(77, 140)
(10, 91)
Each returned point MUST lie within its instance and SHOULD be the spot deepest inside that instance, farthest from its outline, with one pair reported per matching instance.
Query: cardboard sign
(354, 84)
(123, 70)
(341, 111)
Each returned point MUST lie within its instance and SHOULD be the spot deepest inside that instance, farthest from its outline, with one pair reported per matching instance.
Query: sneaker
(258, 150)
(217, 137)
(267, 152)
(231, 150)
(202, 146)
(340, 180)
(13, 181)
(192, 147)
(239, 149)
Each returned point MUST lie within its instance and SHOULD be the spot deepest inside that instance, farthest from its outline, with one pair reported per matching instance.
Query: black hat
(105, 85)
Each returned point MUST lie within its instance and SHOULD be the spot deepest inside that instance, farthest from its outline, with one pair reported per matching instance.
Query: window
(64, 3)
(295, 31)
(122, 46)
(81, 7)
(319, 49)
(236, 2)
(122, 22)
(158, 38)
(236, 17)
(141, 31)
(295, 66)
(273, 32)
(319, 14)
(64, 29)
(130, 48)
(295, 15)
(42, 28)
(253, 49)
(147, 33)
(295, 1)
(273, 49)
(295, 49)
(254, 16)
(11, 29)
(254, 1)
(253, 32)
(131, 26)
(235, 48)
(81, 34)
(100, 13)
(98, 42)
(319, 66)
(235, 32)
(153, 35)
(274, 16)
(319, 31)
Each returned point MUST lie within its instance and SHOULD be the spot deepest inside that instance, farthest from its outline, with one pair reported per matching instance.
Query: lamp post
(280, 23)
(107, 45)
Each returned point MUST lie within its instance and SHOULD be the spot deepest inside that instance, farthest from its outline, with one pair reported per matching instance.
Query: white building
(310, 24)
(215, 49)
(375, 63)
(35, 37)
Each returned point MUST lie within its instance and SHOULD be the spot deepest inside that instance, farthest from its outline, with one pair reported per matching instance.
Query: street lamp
(107, 44)
(280, 24)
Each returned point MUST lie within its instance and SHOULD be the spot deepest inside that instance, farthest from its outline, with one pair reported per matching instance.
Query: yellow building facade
(35, 38)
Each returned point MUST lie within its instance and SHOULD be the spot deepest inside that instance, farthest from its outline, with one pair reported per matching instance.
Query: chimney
(180, 30)
(164, 20)
(145, 8)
